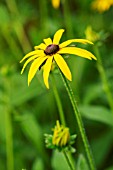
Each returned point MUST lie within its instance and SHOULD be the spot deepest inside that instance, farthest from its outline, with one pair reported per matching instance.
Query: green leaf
(59, 162)
(2, 122)
(82, 163)
(31, 129)
(101, 146)
(110, 168)
(97, 92)
(2, 165)
(20, 92)
(4, 16)
(97, 113)
(33, 132)
(38, 164)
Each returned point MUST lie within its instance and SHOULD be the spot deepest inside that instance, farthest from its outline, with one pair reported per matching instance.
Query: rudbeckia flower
(56, 3)
(49, 51)
(102, 5)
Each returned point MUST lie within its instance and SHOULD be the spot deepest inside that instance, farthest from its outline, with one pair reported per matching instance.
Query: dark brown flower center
(51, 49)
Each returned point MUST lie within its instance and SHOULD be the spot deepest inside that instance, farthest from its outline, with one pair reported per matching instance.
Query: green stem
(12, 6)
(79, 121)
(9, 141)
(104, 78)
(12, 44)
(68, 160)
(18, 26)
(58, 101)
(8, 125)
(22, 37)
(67, 18)
(43, 11)
(61, 113)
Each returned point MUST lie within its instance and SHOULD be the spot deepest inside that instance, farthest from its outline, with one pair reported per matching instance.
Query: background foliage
(26, 113)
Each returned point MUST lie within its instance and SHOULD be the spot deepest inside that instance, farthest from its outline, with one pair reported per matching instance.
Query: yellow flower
(102, 5)
(49, 51)
(56, 3)
(61, 135)
(91, 35)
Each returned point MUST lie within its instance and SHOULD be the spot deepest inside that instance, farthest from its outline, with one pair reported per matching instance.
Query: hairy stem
(80, 123)
(9, 141)
(68, 160)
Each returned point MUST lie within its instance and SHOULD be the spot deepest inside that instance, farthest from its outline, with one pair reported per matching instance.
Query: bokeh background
(26, 113)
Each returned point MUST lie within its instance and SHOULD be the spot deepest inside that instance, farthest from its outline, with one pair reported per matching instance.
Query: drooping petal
(34, 67)
(30, 59)
(36, 52)
(66, 43)
(77, 51)
(63, 66)
(58, 36)
(47, 68)
(48, 41)
(42, 46)
(28, 55)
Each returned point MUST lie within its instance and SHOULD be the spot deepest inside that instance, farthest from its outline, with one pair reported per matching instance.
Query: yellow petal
(30, 59)
(58, 124)
(36, 52)
(42, 46)
(47, 68)
(66, 43)
(57, 36)
(28, 55)
(77, 51)
(34, 67)
(48, 41)
(63, 66)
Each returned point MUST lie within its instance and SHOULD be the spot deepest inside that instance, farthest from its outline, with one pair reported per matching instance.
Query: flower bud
(91, 35)
(61, 135)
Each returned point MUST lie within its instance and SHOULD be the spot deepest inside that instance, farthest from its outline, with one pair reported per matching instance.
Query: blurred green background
(26, 113)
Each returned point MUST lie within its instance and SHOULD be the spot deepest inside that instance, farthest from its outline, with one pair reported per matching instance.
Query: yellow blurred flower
(91, 35)
(49, 51)
(102, 5)
(56, 3)
(61, 135)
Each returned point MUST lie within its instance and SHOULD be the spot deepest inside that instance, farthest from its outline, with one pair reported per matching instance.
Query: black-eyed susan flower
(49, 51)
(56, 3)
(102, 5)
(61, 138)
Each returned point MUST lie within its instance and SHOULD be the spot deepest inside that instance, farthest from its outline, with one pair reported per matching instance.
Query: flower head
(61, 138)
(49, 51)
(56, 3)
(102, 5)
